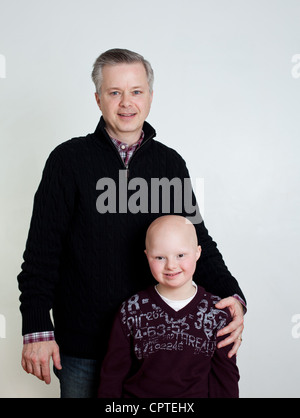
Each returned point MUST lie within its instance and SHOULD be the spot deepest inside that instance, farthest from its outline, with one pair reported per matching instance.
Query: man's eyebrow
(119, 88)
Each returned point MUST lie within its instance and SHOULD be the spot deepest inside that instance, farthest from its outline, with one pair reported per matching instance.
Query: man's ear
(97, 97)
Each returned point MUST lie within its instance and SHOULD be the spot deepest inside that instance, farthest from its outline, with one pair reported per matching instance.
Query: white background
(226, 96)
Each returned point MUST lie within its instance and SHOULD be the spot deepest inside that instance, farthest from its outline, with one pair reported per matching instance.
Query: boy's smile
(172, 274)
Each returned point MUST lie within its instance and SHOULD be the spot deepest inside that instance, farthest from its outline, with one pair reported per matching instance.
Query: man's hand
(36, 359)
(236, 326)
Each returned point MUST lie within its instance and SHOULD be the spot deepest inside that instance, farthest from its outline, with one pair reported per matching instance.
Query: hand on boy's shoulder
(235, 327)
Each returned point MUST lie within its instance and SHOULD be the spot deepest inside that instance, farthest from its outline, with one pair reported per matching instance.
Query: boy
(163, 341)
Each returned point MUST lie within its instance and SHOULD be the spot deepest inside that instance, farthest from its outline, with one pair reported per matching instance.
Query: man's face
(125, 100)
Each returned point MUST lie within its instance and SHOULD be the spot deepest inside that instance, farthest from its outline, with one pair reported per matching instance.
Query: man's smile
(126, 115)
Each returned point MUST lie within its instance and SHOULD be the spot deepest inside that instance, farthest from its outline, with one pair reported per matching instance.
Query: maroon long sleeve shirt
(155, 351)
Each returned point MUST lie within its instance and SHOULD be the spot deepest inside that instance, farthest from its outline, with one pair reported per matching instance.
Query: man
(84, 253)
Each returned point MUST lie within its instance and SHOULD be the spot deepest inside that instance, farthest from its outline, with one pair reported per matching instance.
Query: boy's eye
(180, 255)
(159, 258)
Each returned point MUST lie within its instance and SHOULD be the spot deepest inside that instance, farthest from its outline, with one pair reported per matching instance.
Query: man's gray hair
(119, 56)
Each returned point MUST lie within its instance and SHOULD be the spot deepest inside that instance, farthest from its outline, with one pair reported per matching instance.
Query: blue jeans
(79, 378)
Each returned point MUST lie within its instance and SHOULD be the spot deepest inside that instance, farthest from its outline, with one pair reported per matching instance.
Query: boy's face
(172, 253)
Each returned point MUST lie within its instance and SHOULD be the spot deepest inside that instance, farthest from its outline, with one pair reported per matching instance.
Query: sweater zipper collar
(126, 166)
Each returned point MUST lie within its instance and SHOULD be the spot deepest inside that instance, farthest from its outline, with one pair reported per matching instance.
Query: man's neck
(129, 139)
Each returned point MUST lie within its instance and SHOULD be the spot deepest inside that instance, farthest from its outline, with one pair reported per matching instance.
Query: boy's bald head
(168, 226)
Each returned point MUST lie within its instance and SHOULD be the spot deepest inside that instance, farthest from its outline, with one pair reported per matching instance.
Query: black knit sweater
(82, 263)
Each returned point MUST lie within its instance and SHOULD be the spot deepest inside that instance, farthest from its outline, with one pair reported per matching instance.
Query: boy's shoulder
(139, 299)
(205, 302)
(135, 306)
(206, 305)
(212, 299)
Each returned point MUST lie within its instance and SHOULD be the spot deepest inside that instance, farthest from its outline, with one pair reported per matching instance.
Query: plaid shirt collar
(126, 151)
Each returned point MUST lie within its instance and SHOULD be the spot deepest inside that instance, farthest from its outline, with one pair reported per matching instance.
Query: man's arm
(212, 273)
(39, 275)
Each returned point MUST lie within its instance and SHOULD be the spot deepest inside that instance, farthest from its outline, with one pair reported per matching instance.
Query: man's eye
(137, 92)
(114, 93)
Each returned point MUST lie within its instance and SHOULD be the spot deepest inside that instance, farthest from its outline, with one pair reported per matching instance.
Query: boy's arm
(224, 374)
(116, 364)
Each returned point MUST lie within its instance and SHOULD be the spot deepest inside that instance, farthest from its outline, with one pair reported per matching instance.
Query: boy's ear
(198, 252)
(145, 251)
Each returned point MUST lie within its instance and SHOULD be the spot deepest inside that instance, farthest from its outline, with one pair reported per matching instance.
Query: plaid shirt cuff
(37, 337)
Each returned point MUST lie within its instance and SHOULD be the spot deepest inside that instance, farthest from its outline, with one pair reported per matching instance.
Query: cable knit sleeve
(52, 209)
(211, 272)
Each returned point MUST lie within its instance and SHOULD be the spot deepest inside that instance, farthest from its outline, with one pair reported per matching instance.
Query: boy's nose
(171, 264)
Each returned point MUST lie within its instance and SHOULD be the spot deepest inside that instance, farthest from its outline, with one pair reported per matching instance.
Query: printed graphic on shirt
(154, 329)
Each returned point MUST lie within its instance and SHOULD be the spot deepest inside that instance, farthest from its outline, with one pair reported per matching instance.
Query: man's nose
(125, 99)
